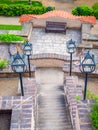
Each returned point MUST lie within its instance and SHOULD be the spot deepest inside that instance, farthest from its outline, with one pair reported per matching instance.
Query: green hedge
(82, 10)
(86, 10)
(19, 9)
(10, 38)
(95, 9)
(95, 6)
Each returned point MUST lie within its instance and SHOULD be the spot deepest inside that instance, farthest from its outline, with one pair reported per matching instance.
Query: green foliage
(37, 3)
(96, 13)
(95, 10)
(82, 10)
(10, 27)
(77, 97)
(86, 10)
(10, 38)
(90, 95)
(50, 8)
(3, 63)
(96, 98)
(95, 6)
(19, 9)
(94, 116)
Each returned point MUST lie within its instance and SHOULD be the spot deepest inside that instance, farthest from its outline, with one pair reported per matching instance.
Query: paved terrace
(46, 42)
(52, 42)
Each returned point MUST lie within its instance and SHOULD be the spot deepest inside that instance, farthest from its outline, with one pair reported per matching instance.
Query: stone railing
(79, 109)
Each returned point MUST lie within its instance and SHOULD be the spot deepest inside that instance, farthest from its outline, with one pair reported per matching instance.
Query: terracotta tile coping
(58, 13)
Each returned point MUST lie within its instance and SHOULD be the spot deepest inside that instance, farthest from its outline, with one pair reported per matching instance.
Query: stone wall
(79, 109)
(50, 60)
(87, 37)
(70, 23)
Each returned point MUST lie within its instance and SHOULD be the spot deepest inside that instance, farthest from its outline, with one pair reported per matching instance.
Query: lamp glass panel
(18, 61)
(71, 46)
(27, 48)
(28, 52)
(71, 50)
(87, 69)
(88, 61)
(19, 69)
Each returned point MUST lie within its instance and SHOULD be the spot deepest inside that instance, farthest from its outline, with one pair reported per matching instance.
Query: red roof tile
(58, 13)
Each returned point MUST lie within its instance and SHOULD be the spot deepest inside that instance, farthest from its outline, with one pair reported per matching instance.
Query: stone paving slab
(52, 42)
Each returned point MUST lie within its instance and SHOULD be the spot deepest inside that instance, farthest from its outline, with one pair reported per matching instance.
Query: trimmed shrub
(10, 38)
(37, 3)
(95, 10)
(82, 11)
(3, 8)
(19, 9)
(50, 8)
(95, 6)
(96, 13)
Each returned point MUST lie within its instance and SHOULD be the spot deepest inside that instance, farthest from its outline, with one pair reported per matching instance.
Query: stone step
(56, 121)
(50, 106)
(59, 95)
(56, 115)
(58, 118)
(56, 101)
(46, 128)
(55, 125)
(52, 111)
(55, 128)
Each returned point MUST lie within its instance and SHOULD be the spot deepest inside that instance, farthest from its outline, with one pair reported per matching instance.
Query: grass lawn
(10, 27)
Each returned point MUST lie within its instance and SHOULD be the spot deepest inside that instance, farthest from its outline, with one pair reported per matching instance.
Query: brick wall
(79, 109)
(23, 107)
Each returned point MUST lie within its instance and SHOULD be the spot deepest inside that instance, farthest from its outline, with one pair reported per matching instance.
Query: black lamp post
(71, 48)
(27, 48)
(87, 65)
(18, 64)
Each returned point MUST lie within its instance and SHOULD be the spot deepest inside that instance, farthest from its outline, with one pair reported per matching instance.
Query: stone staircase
(53, 112)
